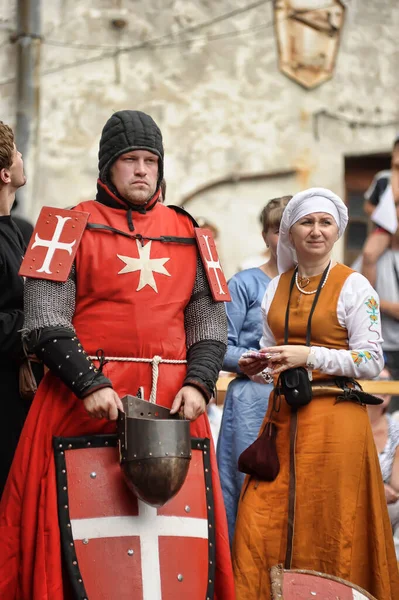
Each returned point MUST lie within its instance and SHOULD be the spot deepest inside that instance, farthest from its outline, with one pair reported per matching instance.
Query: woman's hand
(282, 358)
(253, 366)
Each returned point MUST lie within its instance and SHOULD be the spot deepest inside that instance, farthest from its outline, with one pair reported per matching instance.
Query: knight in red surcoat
(136, 312)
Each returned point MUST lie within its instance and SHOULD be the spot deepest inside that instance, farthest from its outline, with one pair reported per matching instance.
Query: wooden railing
(370, 386)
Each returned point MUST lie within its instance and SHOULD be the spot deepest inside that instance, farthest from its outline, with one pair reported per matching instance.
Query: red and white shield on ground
(53, 245)
(213, 268)
(117, 547)
(303, 585)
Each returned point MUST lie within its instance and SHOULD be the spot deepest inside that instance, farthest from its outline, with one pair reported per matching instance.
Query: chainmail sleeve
(49, 303)
(204, 318)
(206, 335)
(48, 332)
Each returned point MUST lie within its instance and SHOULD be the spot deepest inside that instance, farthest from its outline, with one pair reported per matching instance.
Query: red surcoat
(130, 301)
(114, 314)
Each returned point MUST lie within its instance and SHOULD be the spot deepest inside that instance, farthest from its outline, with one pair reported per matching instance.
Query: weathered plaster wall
(223, 106)
(7, 62)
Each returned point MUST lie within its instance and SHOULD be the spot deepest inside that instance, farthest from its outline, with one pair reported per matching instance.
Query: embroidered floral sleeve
(360, 356)
(360, 315)
(374, 312)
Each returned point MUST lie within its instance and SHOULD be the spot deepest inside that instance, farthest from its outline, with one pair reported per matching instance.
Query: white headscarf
(305, 203)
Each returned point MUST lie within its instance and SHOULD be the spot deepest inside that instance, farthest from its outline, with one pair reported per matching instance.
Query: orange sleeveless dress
(341, 523)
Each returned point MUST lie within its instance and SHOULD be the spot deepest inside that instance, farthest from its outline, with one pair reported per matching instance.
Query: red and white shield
(213, 268)
(117, 547)
(53, 245)
(303, 585)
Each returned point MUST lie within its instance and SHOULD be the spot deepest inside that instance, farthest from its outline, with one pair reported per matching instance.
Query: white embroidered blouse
(358, 312)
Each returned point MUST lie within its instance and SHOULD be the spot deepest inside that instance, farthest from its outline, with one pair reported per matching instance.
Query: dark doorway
(359, 173)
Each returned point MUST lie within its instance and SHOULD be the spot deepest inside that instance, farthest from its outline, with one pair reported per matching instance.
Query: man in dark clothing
(12, 248)
(25, 226)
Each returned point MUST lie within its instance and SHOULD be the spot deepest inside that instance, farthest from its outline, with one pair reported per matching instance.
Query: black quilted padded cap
(129, 130)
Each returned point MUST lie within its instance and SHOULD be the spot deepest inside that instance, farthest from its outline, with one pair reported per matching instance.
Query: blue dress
(246, 402)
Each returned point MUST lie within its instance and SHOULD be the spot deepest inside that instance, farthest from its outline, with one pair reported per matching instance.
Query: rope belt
(155, 361)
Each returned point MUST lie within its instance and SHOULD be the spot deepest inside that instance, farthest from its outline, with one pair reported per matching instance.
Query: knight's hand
(191, 401)
(103, 404)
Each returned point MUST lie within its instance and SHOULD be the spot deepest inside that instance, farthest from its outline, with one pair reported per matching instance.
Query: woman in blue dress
(246, 401)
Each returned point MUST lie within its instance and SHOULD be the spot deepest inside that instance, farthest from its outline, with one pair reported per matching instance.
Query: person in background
(256, 260)
(384, 187)
(386, 437)
(387, 286)
(246, 401)
(382, 181)
(12, 248)
(25, 226)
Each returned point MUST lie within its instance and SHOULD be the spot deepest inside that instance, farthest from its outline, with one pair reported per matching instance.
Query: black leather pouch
(295, 386)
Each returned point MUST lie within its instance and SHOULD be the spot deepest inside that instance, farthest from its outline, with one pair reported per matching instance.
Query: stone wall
(223, 106)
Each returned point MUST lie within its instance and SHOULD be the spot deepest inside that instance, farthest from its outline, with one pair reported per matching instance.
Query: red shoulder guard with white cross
(213, 269)
(54, 243)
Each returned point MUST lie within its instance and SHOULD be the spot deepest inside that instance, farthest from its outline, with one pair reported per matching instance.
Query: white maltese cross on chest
(146, 265)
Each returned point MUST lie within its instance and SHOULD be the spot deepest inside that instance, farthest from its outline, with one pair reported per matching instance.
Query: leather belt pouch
(295, 386)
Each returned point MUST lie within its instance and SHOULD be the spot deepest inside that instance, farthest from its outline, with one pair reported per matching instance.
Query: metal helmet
(155, 450)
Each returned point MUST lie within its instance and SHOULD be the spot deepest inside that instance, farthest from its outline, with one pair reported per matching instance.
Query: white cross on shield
(213, 268)
(54, 243)
(213, 264)
(149, 527)
(116, 547)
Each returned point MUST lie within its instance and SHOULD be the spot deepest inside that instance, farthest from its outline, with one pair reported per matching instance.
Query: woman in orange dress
(325, 510)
